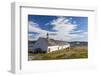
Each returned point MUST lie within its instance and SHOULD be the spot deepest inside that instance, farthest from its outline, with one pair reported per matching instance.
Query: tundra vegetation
(68, 53)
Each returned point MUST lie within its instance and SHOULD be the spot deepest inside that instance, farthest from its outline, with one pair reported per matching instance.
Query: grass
(72, 53)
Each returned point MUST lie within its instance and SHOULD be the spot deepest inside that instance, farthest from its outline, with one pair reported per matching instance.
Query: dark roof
(52, 42)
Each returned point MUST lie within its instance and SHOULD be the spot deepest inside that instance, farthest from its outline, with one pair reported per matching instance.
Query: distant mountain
(73, 43)
(78, 43)
(31, 42)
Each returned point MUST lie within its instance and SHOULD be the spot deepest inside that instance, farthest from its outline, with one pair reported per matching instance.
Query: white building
(48, 45)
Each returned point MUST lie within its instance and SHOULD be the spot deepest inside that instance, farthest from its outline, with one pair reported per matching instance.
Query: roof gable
(52, 42)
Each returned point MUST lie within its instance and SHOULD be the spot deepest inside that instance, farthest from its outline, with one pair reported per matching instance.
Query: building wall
(44, 46)
(55, 48)
(40, 44)
(52, 48)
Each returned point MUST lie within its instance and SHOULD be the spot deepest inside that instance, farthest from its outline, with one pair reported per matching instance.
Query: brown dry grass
(72, 53)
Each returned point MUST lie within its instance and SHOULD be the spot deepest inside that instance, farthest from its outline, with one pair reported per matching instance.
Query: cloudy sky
(66, 28)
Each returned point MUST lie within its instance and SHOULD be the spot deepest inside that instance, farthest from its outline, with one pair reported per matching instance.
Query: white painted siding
(55, 48)
(52, 48)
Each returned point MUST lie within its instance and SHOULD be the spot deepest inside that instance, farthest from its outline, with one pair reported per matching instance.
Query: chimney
(47, 36)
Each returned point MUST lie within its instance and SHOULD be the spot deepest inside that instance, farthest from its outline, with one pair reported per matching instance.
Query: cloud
(63, 24)
(64, 28)
(31, 37)
(83, 36)
(34, 27)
